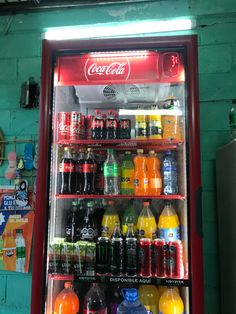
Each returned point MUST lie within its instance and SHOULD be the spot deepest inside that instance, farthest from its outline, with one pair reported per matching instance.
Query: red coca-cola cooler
(112, 96)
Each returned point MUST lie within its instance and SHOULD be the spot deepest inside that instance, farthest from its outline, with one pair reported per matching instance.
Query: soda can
(145, 257)
(176, 259)
(116, 259)
(63, 128)
(160, 258)
(89, 123)
(67, 255)
(102, 255)
(90, 259)
(131, 256)
(79, 257)
(54, 261)
(75, 125)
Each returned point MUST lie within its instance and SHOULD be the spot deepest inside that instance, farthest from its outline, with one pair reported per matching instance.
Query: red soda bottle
(79, 172)
(67, 173)
(111, 125)
(89, 172)
(97, 126)
(95, 301)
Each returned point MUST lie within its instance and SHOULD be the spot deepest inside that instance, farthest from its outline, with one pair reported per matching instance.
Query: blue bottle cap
(130, 294)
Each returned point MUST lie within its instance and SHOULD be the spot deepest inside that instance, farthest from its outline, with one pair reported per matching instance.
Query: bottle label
(169, 234)
(111, 170)
(89, 168)
(155, 183)
(66, 167)
(79, 168)
(103, 311)
(127, 179)
(88, 234)
(151, 309)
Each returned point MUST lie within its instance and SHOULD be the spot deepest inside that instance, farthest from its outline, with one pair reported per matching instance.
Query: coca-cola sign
(105, 69)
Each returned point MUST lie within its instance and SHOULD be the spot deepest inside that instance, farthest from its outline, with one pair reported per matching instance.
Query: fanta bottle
(9, 251)
(154, 174)
(140, 174)
(149, 297)
(66, 301)
(171, 302)
(109, 220)
(146, 226)
(168, 227)
(129, 217)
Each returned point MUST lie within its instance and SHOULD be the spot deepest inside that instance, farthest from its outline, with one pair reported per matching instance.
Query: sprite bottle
(111, 174)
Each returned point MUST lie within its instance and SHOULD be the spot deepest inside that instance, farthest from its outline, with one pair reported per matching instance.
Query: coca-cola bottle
(71, 223)
(111, 125)
(89, 172)
(97, 126)
(89, 231)
(67, 173)
(79, 172)
(99, 179)
(95, 301)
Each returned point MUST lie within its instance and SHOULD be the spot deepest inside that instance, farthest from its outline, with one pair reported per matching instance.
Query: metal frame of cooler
(50, 50)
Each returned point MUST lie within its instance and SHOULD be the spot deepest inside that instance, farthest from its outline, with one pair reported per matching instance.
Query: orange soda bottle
(146, 225)
(154, 174)
(9, 251)
(66, 301)
(140, 174)
(170, 302)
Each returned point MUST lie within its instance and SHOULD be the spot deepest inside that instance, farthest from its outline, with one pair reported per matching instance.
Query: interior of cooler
(127, 101)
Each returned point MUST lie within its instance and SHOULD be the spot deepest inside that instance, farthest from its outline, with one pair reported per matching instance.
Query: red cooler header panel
(123, 67)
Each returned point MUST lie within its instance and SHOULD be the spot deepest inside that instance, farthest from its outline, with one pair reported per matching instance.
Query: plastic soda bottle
(149, 297)
(9, 251)
(168, 227)
(146, 226)
(140, 174)
(129, 216)
(67, 301)
(20, 251)
(169, 173)
(154, 174)
(95, 301)
(127, 175)
(131, 304)
(111, 174)
(163, 289)
(109, 220)
(171, 302)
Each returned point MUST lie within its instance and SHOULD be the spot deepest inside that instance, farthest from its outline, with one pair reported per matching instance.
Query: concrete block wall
(20, 58)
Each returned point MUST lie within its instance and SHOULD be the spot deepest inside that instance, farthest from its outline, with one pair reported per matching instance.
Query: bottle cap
(128, 152)
(89, 149)
(110, 202)
(140, 151)
(19, 231)
(151, 152)
(110, 150)
(130, 294)
(146, 203)
(67, 284)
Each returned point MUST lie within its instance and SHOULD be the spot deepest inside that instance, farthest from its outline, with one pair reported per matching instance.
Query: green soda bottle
(127, 175)
(129, 217)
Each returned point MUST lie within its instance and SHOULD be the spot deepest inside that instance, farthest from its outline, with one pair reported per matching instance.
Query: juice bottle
(140, 174)
(146, 226)
(9, 251)
(149, 297)
(155, 127)
(140, 127)
(127, 175)
(171, 302)
(168, 227)
(129, 216)
(66, 301)
(109, 220)
(154, 174)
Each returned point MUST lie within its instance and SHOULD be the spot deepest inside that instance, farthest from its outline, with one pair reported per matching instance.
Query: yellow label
(127, 179)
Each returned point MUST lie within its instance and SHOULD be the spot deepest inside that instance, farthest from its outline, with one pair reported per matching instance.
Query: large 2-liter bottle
(131, 304)
(95, 301)
(111, 174)
(67, 301)
(140, 174)
(67, 173)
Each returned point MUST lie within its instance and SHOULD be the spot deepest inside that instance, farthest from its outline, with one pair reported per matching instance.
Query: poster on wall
(16, 229)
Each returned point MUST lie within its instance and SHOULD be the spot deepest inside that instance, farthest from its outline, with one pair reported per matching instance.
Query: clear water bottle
(232, 120)
(111, 174)
(169, 174)
(131, 304)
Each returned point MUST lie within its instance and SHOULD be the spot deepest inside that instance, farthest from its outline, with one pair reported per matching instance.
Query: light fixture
(161, 112)
(119, 29)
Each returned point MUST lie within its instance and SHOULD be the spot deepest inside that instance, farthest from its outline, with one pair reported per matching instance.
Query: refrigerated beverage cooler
(118, 204)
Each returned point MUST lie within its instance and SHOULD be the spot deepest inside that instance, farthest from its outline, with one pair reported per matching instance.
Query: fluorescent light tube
(118, 29)
(161, 112)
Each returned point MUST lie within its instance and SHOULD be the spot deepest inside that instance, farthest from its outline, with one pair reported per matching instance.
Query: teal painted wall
(20, 57)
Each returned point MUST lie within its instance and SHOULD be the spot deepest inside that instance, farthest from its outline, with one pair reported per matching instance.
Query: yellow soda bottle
(149, 297)
(168, 227)
(163, 289)
(146, 225)
(170, 302)
(109, 220)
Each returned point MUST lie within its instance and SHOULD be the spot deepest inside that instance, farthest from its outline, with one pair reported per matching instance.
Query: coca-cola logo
(102, 69)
